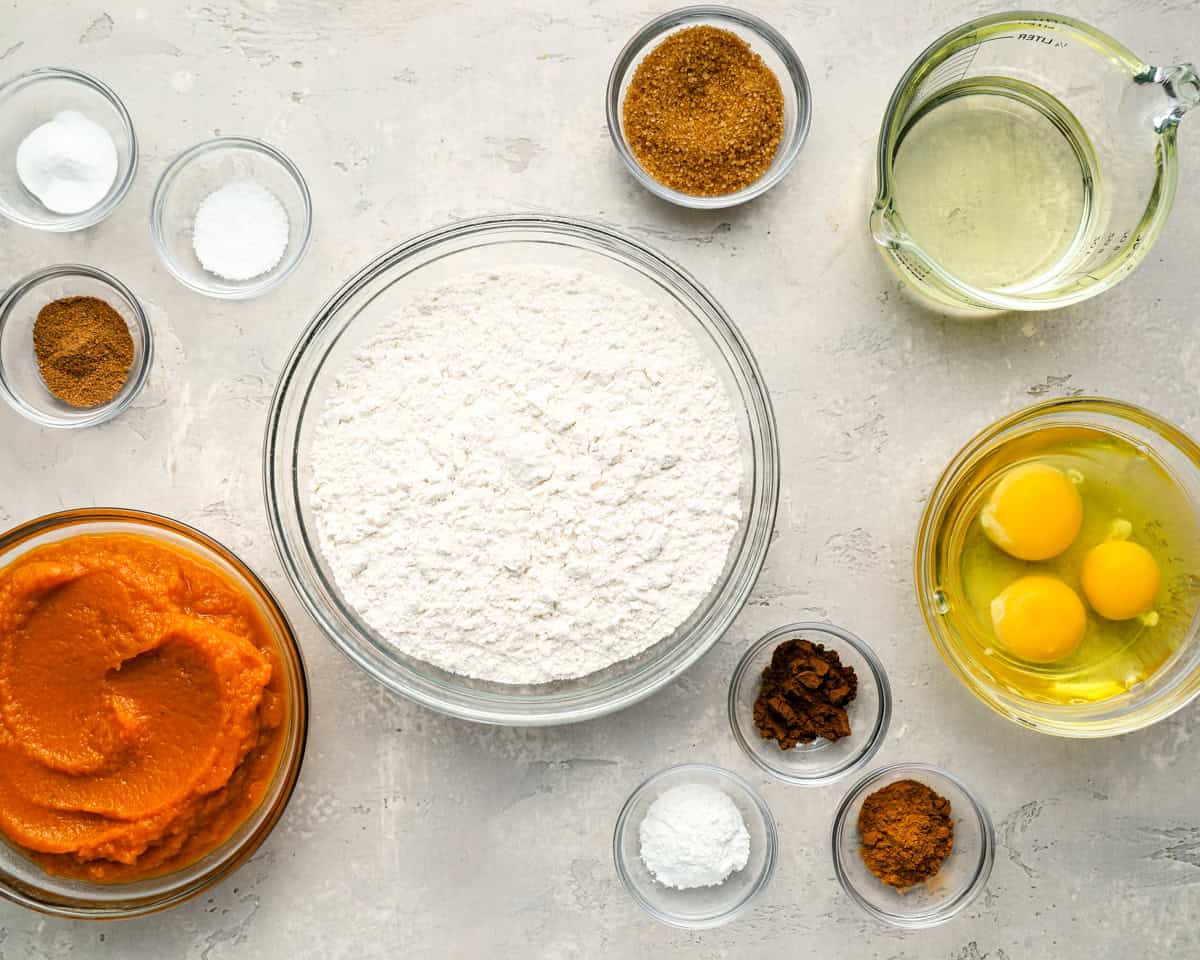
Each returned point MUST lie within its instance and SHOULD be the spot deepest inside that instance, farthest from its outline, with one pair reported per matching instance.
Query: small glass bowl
(29, 100)
(822, 761)
(764, 40)
(207, 167)
(25, 882)
(21, 381)
(963, 874)
(698, 908)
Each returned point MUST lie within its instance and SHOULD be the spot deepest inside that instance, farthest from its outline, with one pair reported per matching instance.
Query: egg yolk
(1034, 513)
(1039, 619)
(1120, 579)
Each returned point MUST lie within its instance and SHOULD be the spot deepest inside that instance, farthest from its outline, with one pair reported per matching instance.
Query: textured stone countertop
(412, 835)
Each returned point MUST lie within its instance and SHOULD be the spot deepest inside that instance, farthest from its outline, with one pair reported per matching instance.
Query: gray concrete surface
(417, 836)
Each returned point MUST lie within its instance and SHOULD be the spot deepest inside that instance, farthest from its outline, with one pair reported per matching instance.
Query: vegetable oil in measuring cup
(993, 179)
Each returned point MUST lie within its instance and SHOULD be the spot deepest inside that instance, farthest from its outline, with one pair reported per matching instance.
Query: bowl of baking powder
(522, 470)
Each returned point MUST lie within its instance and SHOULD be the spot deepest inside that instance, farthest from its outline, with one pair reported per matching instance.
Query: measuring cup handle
(1181, 84)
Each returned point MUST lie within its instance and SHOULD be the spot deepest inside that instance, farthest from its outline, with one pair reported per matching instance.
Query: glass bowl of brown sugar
(92, 353)
(800, 727)
(724, 142)
(954, 877)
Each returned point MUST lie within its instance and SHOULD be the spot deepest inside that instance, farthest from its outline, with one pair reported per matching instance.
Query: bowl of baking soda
(231, 217)
(694, 845)
(68, 153)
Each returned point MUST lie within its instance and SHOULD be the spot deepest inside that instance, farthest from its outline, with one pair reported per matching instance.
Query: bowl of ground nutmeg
(75, 346)
(708, 106)
(810, 703)
(912, 845)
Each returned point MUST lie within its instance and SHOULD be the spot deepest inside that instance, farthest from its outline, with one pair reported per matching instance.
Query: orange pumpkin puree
(141, 706)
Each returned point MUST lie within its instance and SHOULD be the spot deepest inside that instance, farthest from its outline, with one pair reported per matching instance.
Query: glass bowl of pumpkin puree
(153, 713)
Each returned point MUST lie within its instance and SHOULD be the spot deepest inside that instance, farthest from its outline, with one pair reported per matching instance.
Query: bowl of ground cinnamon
(810, 703)
(75, 346)
(708, 106)
(912, 845)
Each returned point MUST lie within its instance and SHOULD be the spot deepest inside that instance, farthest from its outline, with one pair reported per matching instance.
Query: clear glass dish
(777, 54)
(206, 167)
(29, 100)
(21, 382)
(24, 882)
(1172, 686)
(963, 874)
(351, 316)
(698, 908)
(1118, 115)
(822, 761)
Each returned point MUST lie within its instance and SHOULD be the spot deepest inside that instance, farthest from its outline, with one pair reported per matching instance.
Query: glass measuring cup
(1026, 161)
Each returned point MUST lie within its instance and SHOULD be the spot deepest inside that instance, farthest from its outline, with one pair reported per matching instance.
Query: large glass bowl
(353, 314)
(1172, 686)
(25, 882)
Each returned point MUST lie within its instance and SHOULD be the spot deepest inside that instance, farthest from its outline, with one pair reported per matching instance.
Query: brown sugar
(804, 694)
(83, 349)
(704, 114)
(906, 833)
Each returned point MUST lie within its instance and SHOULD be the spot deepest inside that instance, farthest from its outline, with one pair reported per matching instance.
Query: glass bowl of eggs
(1058, 567)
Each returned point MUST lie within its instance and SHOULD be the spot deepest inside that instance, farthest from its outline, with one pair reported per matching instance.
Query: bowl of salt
(231, 217)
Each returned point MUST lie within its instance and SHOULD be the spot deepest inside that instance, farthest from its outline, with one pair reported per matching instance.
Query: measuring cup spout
(1181, 84)
(884, 229)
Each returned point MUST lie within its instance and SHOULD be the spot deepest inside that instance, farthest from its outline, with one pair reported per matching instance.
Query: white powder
(693, 835)
(240, 231)
(68, 163)
(527, 475)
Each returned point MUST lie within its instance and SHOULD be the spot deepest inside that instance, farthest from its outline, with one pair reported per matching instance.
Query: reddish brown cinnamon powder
(83, 350)
(804, 694)
(906, 833)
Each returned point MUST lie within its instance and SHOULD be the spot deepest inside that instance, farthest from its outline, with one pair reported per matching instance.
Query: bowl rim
(770, 857)
(983, 868)
(880, 724)
(143, 361)
(1052, 719)
(120, 187)
(283, 634)
(668, 22)
(280, 471)
(272, 278)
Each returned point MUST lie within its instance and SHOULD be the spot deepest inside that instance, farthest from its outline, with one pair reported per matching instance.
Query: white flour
(693, 835)
(527, 475)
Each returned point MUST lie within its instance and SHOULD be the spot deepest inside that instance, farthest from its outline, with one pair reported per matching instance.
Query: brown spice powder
(804, 694)
(906, 833)
(704, 113)
(83, 349)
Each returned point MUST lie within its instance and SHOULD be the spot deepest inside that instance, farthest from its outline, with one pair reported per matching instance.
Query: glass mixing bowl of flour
(353, 347)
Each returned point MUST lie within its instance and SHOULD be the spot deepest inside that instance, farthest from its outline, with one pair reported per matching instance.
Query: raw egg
(1120, 579)
(1039, 619)
(1034, 513)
